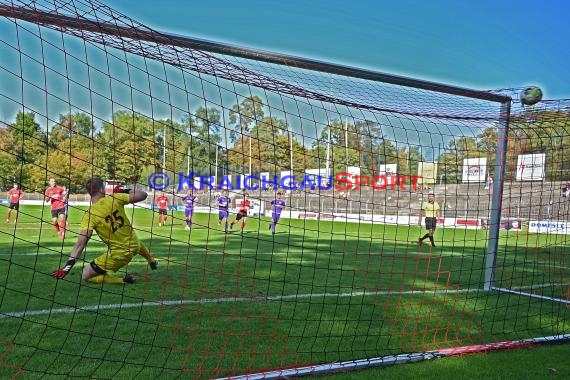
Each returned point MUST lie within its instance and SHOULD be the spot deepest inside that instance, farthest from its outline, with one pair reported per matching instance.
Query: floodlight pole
(291, 150)
(346, 142)
(250, 154)
(188, 161)
(216, 167)
(497, 195)
(328, 169)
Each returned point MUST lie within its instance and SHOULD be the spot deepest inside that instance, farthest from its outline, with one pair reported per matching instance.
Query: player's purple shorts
(188, 212)
(275, 217)
(223, 214)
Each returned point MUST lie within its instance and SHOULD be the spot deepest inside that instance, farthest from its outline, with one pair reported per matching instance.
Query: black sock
(425, 236)
(431, 240)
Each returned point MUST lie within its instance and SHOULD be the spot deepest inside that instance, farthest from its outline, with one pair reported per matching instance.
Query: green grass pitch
(223, 304)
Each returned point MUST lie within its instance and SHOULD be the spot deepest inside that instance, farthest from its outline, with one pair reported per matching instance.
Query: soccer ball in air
(531, 95)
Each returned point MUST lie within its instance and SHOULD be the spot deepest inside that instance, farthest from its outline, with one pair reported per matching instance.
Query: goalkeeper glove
(62, 272)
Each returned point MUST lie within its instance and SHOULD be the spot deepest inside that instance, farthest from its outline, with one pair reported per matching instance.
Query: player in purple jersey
(223, 208)
(278, 205)
(189, 200)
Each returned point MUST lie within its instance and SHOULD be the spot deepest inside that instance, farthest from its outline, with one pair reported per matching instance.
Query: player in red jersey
(162, 202)
(57, 196)
(243, 208)
(14, 195)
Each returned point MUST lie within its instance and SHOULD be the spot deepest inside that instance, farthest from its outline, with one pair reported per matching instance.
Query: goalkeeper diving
(107, 216)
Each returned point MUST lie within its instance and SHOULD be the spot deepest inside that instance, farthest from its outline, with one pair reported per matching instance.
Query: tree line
(131, 146)
(530, 132)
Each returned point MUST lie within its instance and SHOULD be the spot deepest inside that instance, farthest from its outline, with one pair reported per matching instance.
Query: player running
(243, 209)
(278, 205)
(56, 195)
(107, 216)
(162, 202)
(189, 199)
(14, 195)
(223, 208)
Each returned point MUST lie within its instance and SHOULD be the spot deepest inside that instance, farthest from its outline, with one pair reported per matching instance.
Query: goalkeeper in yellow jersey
(107, 217)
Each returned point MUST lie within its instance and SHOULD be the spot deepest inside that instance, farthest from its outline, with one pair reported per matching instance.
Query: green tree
(541, 131)
(535, 131)
(487, 145)
(270, 146)
(27, 146)
(408, 158)
(387, 152)
(370, 138)
(345, 147)
(450, 166)
(450, 163)
(71, 168)
(177, 141)
(10, 168)
(29, 142)
(128, 145)
(465, 146)
(272, 158)
(79, 126)
(267, 127)
(245, 115)
(71, 158)
(203, 140)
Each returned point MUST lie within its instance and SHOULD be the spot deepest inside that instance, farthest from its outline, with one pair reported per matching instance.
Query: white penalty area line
(204, 301)
(197, 251)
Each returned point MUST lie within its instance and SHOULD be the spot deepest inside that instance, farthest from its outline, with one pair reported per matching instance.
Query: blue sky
(482, 45)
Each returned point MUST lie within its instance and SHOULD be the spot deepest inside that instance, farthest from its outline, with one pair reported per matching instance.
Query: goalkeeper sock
(144, 252)
(105, 279)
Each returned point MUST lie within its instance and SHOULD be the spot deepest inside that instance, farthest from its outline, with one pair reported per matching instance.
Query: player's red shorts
(241, 214)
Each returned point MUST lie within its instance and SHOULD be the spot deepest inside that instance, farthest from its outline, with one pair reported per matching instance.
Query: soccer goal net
(306, 217)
